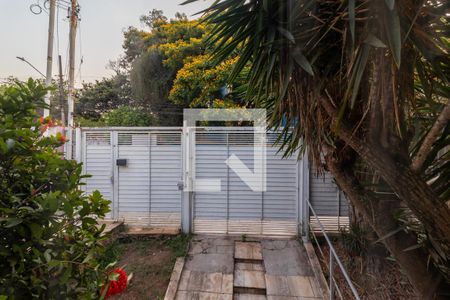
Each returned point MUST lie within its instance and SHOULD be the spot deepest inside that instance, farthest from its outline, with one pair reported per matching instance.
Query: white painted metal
(98, 162)
(146, 191)
(237, 209)
(328, 201)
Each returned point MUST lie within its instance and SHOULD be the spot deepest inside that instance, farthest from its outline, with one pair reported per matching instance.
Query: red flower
(116, 286)
(62, 138)
(41, 120)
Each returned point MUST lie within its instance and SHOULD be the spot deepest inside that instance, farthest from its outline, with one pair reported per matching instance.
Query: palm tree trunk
(409, 186)
(423, 276)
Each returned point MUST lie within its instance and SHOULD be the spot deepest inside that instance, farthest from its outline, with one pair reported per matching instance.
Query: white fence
(141, 171)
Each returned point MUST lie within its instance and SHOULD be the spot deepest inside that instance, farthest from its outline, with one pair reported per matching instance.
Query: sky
(99, 38)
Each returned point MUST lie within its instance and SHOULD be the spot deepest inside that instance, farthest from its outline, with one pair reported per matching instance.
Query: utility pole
(71, 90)
(61, 93)
(48, 77)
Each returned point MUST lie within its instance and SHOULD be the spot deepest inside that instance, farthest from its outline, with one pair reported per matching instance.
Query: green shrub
(84, 122)
(49, 238)
(127, 116)
(355, 240)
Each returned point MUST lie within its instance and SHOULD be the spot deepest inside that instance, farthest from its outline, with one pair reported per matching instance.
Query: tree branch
(431, 138)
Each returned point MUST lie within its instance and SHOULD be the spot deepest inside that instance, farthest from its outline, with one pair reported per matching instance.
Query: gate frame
(186, 197)
(302, 179)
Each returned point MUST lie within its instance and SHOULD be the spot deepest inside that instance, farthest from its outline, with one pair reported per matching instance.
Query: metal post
(331, 277)
(306, 192)
(48, 77)
(150, 179)
(78, 145)
(185, 204)
(228, 184)
(61, 93)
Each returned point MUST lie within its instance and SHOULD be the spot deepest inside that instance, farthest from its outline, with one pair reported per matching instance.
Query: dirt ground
(375, 276)
(151, 261)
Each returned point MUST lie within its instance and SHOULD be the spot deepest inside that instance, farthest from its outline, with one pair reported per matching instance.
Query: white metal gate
(139, 171)
(236, 209)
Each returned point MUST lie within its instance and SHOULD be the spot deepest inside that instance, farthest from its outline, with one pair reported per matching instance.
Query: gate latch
(180, 185)
(121, 162)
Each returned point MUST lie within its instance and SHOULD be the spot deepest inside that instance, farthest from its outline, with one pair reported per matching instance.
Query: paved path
(226, 268)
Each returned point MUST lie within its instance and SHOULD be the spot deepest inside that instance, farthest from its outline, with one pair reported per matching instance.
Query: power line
(80, 49)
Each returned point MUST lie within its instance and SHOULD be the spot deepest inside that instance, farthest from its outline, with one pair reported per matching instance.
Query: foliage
(362, 84)
(169, 55)
(179, 244)
(355, 240)
(128, 116)
(94, 99)
(201, 84)
(85, 122)
(151, 81)
(49, 239)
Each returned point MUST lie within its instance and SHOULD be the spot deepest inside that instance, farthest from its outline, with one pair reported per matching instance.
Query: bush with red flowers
(50, 241)
(118, 281)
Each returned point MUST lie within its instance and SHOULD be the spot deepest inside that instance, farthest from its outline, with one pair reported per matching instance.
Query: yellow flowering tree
(199, 83)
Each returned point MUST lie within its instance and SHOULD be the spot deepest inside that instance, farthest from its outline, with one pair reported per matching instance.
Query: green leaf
(3, 146)
(390, 4)
(36, 230)
(301, 60)
(392, 27)
(266, 5)
(286, 33)
(11, 222)
(359, 73)
(47, 255)
(351, 18)
(374, 41)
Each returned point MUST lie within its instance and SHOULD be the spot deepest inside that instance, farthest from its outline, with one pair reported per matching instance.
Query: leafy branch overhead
(363, 85)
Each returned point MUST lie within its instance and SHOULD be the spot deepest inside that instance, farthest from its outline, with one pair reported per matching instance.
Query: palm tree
(365, 86)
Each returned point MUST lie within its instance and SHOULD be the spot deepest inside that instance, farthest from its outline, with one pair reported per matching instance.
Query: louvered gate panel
(281, 198)
(245, 205)
(210, 208)
(166, 166)
(328, 202)
(237, 209)
(134, 178)
(98, 162)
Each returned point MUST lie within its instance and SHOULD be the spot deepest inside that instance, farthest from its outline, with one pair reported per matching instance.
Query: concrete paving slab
(248, 250)
(249, 279)
(277, 285)
(212, 282)
(212, 272)
(184, 280)
(300, 286)
(195, 281)
(225, 297)
(291, 260)
(210, 263)
(227, 284)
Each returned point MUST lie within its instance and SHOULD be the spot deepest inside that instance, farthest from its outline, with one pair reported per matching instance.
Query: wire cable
(81, 51)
